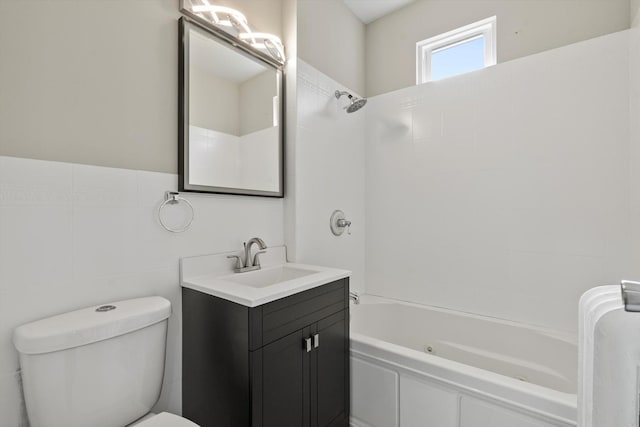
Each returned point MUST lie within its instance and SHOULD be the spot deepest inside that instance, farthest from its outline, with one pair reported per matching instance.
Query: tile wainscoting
(74, 235)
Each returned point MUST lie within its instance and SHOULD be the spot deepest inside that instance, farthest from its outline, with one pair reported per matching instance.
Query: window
(465, 49)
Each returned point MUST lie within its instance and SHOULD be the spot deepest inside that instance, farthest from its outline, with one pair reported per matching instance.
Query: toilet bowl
(101, 366)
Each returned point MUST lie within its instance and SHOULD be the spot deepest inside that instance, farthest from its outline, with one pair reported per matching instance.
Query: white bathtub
(480, 372)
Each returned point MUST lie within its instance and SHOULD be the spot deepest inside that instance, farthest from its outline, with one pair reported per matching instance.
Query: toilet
(101, 366)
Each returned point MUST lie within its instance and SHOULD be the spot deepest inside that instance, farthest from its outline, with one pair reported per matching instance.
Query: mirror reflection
(234, 134)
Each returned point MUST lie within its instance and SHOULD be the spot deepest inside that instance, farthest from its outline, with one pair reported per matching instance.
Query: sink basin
(268, 276)
(213, 274)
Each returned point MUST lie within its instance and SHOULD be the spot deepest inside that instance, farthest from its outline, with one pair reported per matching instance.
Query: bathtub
(420, 366)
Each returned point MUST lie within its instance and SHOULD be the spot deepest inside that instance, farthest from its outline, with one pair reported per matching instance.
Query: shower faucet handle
(338, 222)
(342, 223)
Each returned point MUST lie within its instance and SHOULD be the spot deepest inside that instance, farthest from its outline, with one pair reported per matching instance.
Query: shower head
(356, 103)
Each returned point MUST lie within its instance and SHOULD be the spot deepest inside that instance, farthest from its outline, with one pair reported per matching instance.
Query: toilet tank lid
(89, 325)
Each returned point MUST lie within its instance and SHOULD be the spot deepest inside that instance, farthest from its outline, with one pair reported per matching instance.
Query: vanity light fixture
(229, 18)
(265, 42)
(233, 17)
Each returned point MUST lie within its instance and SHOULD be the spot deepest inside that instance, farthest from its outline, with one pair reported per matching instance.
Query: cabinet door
(331, 371)
(285, 382)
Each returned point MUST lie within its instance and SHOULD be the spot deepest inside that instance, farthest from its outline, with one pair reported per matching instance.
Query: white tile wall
(11, 402)
(505, 191)
(329, 174)
(74, 235)
(634, 133)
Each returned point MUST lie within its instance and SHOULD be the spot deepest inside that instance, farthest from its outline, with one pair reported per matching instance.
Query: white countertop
(212, 274)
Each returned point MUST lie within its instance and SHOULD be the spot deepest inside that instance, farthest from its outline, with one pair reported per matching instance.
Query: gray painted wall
(524, 27)
(80, 89)
(332, 39)
(256, 102)
(215, 104)
(95, 82)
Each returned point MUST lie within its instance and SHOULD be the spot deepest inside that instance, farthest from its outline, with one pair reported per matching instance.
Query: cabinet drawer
(282, 317)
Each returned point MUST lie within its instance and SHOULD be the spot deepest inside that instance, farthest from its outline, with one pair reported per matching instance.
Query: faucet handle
(256, 259)
(342, 223)
(338, 223)
(238, 260)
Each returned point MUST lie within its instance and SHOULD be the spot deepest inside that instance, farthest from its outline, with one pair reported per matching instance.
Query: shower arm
(344, 92)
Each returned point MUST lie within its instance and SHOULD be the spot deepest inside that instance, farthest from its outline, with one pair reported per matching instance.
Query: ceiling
(370, 10)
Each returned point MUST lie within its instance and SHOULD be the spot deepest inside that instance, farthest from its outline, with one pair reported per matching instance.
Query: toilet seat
(165, 419)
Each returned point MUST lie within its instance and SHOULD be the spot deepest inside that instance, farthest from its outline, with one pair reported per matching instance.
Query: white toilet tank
(101, 366)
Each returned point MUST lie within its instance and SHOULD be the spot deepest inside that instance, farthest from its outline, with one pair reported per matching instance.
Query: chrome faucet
(354, 296)
(249, 264)
(247, 252)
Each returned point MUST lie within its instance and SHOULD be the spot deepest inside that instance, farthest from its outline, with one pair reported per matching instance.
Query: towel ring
(172, 198)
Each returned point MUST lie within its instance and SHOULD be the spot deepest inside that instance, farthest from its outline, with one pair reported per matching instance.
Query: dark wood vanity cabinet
(282, 364)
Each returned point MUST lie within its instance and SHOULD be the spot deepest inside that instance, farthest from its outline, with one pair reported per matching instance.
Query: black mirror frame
(196, 23)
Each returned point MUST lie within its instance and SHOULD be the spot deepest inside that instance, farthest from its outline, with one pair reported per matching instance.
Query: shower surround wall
(329, 172)
(325, 145)
(504, 192)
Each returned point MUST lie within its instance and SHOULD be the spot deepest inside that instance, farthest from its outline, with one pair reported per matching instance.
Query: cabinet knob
(307, 344)
(316, 341)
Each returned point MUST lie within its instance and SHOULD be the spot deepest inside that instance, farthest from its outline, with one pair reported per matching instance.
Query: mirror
(231, 133)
